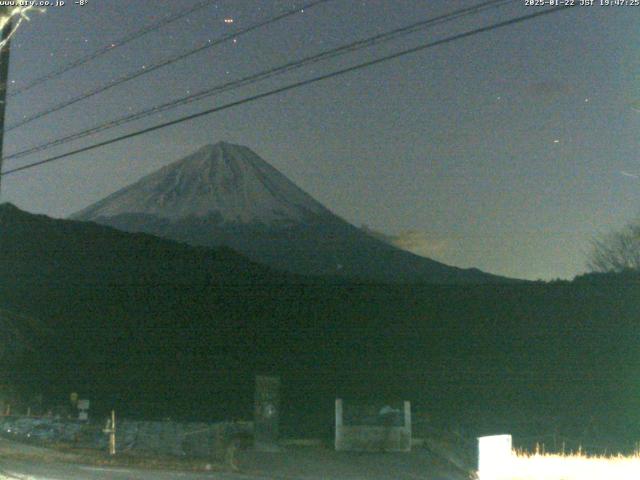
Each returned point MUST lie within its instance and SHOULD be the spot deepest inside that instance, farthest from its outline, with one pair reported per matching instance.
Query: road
(27, 462)
(30, 470)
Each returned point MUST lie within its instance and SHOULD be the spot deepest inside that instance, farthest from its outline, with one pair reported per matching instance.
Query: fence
(498, 461)
(373, 429)
(162, 438)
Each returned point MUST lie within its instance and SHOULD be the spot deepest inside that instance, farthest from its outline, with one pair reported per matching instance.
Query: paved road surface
(25, 462)
(23, 470)
(30, 470)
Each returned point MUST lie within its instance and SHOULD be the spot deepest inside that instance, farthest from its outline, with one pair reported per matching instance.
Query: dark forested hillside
(157, 328)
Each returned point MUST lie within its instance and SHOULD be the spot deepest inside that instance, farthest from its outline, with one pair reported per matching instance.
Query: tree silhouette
(618, 251)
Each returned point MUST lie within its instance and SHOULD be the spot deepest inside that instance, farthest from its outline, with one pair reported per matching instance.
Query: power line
(248, 80)
(163, 63)
(112, 46)
(292, 86)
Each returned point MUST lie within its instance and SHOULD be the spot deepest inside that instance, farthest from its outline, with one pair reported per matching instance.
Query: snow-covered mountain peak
(225, 181)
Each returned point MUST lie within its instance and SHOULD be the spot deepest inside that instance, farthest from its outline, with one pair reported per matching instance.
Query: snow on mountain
(226, 195)
(226, 181)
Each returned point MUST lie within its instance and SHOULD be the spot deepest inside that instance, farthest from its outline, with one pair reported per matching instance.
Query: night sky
(507, 151)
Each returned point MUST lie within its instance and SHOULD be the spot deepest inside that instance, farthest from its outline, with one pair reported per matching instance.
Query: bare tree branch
(618, 251)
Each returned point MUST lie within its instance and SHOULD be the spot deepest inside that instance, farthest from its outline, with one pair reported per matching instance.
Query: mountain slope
(38, 250)
(227, 195)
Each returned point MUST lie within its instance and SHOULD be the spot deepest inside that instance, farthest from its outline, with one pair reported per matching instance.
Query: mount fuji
(226, 195)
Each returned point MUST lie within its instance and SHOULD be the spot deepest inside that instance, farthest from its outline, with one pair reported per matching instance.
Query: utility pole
(4, 79)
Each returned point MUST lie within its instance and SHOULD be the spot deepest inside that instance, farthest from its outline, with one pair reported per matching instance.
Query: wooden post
(407, 424)
(111, 430)
(407, 415)
(112, 435)
(339, 424)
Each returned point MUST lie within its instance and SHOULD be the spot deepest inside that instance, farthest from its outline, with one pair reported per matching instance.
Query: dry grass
(577, 466)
